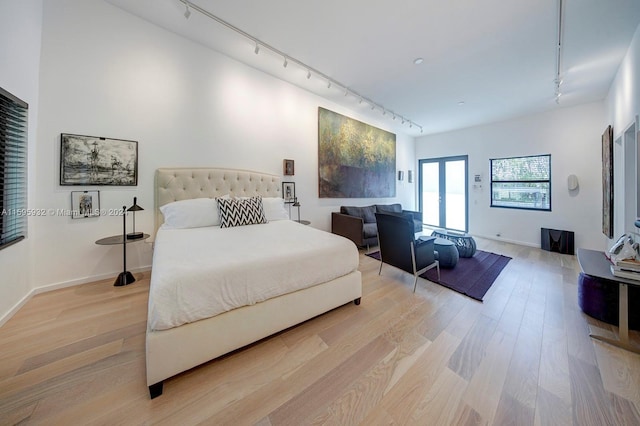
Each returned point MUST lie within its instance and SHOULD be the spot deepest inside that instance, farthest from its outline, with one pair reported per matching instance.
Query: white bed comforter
(201, 272)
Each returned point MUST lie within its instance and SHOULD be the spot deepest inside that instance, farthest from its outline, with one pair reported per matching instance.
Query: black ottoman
(599, 299)
(446, 253)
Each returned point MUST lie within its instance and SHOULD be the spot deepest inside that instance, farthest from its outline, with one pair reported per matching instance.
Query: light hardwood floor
(523, 357)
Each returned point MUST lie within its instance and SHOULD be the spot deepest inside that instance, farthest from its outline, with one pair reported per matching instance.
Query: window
(521, 182)
(13, 173)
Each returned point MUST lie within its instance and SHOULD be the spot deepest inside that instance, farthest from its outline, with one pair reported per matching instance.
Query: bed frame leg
(155, 390)
(357, 301)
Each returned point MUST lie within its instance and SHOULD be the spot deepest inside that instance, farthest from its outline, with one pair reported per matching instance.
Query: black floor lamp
(296, 203)
(134, 208)
(125, 277)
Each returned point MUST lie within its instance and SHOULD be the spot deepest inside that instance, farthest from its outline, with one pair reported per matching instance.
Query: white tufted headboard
(174, 184)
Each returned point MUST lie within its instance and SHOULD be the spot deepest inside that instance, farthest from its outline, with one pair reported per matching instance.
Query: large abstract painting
(91, 160)
(355, 160)
(607, 182)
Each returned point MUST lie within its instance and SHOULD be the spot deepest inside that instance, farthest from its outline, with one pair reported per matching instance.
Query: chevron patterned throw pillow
(238, 212)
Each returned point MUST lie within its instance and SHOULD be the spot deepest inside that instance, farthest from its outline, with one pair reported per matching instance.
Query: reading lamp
(134, 208)
(296, 203)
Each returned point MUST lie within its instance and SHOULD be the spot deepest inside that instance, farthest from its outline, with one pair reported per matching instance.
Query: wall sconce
(410, 176)
(400, 175)
(134, 208)
(572, 182)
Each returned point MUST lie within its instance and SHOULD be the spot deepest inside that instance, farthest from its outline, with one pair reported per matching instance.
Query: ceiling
(484, 61)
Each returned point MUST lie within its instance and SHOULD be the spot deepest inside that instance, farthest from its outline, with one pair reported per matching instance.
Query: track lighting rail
(287, 59)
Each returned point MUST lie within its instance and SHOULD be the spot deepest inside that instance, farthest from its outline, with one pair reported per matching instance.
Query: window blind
(521, 182)
(13, 175)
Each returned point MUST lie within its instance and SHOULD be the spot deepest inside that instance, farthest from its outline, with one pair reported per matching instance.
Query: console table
(125, 277)
(595, 264)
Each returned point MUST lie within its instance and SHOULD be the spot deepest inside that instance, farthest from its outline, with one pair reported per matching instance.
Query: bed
(261, 272)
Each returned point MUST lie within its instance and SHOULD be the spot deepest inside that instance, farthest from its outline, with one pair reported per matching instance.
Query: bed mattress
(198, 273)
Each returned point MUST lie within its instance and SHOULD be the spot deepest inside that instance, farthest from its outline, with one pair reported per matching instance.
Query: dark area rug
(472, 276)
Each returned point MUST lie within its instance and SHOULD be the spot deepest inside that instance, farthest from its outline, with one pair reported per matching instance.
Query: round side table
(125, 277)
(447, 253)
(465, 243)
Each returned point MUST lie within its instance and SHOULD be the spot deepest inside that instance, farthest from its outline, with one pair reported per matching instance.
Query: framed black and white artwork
(93, 160)
(85, 204)
(289, 192)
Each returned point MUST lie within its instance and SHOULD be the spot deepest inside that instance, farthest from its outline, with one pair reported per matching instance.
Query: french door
(444, 192)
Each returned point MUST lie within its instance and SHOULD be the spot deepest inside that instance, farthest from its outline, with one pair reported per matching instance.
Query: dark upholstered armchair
(399, 248)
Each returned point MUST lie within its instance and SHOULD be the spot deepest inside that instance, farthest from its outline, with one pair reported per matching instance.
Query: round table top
(448, 233)
(117, 239)
(443, 242)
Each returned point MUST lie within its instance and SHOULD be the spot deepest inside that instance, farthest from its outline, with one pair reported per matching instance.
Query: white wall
(108, 73)
(20, 34)
(623, 107)
(570, 135)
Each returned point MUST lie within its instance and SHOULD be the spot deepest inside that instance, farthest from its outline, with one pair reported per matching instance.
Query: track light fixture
(286, 58)
(558, 80)
(187, 12)
(558, 95)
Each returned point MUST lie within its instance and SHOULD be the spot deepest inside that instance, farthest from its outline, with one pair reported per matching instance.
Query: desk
(125, 276)
(595, 263)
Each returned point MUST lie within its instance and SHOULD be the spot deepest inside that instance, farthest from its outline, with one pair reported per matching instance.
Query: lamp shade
(135, 207)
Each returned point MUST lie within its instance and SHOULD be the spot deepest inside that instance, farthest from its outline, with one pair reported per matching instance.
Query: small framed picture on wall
(288, 167)
(85, 204)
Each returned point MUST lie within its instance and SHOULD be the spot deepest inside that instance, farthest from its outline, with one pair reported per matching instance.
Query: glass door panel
(430, 193)
(444, 192)
(455, 195)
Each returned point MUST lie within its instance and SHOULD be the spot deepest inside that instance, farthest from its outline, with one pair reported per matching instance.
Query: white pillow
(274, 208)
(193, 213)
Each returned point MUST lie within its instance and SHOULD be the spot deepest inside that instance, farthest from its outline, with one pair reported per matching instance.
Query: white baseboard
(64, 284)
(11, 312)
(494, 238)
(505, 240)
